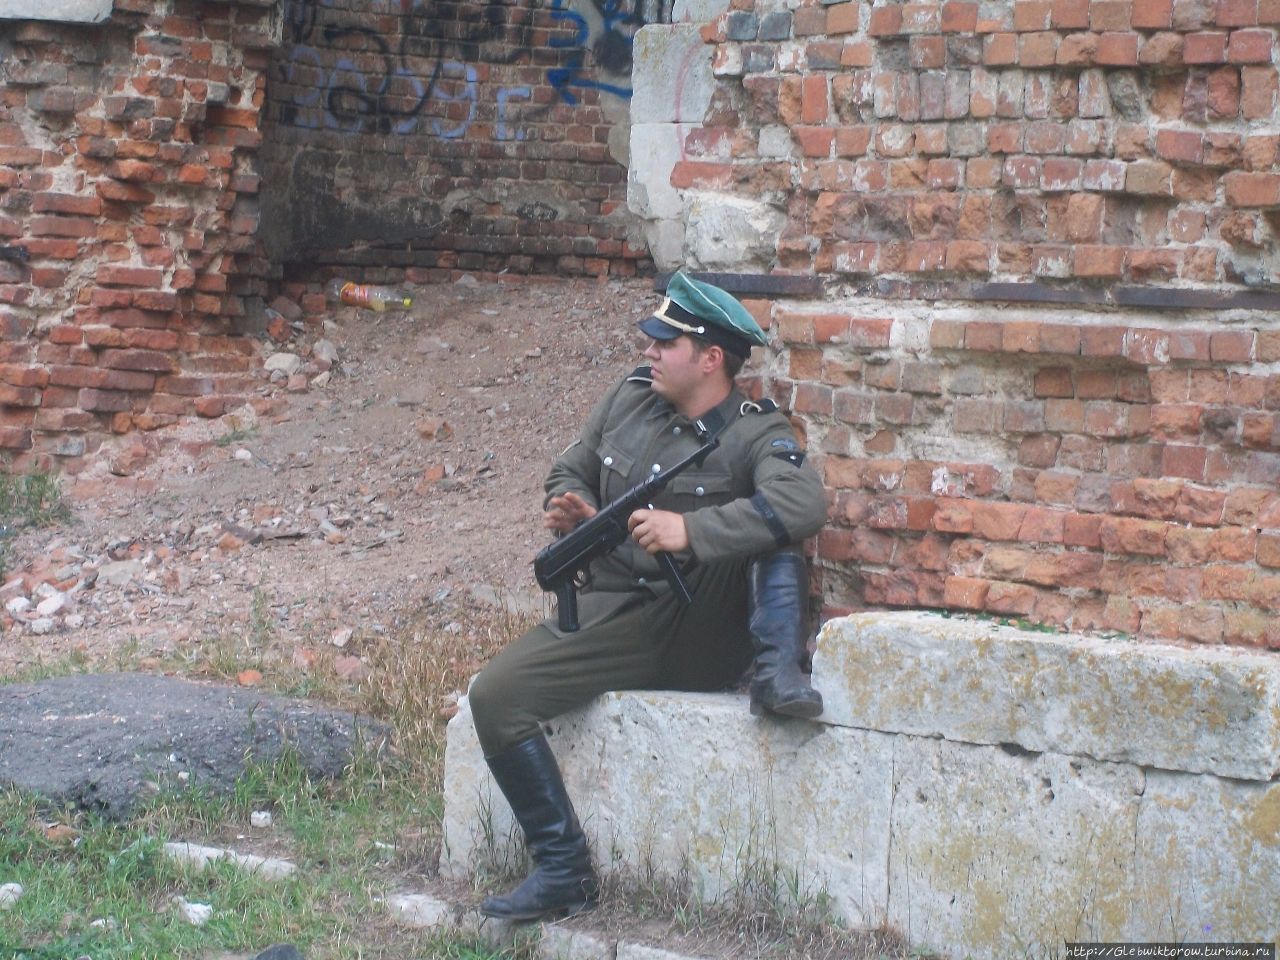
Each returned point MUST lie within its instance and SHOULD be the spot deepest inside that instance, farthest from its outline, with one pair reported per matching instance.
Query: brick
(1152, 14)
(966, 593)
(1125, 536)
(1252, 189)
(1259, 87)
(1236, 13)
(1091, 260)
(1202, 48)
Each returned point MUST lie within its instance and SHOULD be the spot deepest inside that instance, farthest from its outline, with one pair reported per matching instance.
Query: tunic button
(676, 431)
(639, 581)
(608, 461)
(699, 491)
(656, 468)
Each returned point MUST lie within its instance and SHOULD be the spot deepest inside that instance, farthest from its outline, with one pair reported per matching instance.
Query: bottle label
(356, 294)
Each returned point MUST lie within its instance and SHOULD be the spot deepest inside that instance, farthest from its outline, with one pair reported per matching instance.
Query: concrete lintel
(62, 11)
(1199, 710)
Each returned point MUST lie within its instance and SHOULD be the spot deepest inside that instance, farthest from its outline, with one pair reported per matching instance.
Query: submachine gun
(561, 566)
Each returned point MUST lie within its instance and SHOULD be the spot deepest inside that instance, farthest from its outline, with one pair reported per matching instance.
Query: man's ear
(713, 358)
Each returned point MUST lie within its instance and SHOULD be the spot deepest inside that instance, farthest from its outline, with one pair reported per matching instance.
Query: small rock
(105, 923)
(324, 350)
(52, 605)
(432, 345)
(321, 380)
(229, 542)
(17, 606)
(9, 894)
(342, 636)
(42, 625)
(278, 328)
(349, 668)
(249, 678)
(280, 951)
(128, 461)
(260, 819)
(61, 833)
(286, 363)
(534, 353)
(286, 308)
(196, 914)
(434, 428)
(297, 383)
(74, 621)
(117, 573)
(242, 454)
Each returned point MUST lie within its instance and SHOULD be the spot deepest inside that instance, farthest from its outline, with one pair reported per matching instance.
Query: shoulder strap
(641, 374)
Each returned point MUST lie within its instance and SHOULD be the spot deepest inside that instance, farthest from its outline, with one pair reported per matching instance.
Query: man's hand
(566, 512)
(658, 530)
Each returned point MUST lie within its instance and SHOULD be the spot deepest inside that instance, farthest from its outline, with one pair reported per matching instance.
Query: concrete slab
(61, 11)
(670, 74)
(1008, 855)
(693, 783)
(655, 150)
(733, 234)
(1208, 851)
(1200, 710)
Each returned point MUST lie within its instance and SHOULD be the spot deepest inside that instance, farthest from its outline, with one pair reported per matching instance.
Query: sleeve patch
(793, 457)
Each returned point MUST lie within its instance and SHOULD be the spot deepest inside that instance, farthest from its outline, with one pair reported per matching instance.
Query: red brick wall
(128, 215)
(1100, 466)
(411, 139)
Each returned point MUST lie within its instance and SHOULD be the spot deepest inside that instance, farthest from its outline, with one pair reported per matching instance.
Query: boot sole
(803, 709)
(554, 913)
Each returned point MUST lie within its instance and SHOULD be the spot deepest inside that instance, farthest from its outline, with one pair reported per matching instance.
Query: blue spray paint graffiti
(349, 78)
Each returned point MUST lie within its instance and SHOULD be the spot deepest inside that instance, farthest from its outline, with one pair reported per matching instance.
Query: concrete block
(61, 11)
(671, 74)
(686, 782)
(731, 233)
(638, 951)
(1208, 853)
(1200, 710)
(655, 150)
(665, 239)
(200, 857)
(561, 943)
(697, 11)
(997, 854)
(421, 910)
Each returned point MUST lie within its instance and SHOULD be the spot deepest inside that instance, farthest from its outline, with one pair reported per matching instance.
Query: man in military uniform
(735, 523)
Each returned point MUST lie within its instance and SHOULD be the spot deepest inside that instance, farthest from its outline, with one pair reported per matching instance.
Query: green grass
(28, 500)
(345, 837)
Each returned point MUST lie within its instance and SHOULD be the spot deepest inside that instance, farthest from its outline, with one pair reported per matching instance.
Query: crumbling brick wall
(1038, 358)
(128, 219)
(415, 138)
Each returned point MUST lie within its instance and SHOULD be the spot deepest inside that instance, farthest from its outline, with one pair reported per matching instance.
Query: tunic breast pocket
(615, 465)
(689, 491)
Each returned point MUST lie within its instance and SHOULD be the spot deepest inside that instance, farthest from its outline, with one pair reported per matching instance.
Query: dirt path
(413, 475)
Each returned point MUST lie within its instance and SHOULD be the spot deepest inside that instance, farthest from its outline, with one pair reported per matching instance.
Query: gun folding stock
(560, 566)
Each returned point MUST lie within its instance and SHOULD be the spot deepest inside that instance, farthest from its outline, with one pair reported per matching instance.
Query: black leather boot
(563, 882)
(779, 594)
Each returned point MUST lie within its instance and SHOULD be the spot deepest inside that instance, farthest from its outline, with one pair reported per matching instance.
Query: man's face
(678, 369)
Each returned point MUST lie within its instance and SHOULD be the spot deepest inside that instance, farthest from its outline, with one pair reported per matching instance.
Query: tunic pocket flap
(614, 458)
(701, 484)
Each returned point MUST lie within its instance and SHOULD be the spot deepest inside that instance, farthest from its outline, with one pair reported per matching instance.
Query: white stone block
(724, 232)
(63, 11)
(693, 783)
(671, 74)
(421, 910)
(1208, 855)
(996, 855)
(1201, 710)
(697, 11)
(562, 943)
(200, 857)
(638, 951)
(655, 150)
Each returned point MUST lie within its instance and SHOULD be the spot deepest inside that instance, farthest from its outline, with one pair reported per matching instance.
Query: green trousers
(648, 643)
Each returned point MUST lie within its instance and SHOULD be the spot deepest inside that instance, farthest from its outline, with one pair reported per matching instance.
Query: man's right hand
(566, 512)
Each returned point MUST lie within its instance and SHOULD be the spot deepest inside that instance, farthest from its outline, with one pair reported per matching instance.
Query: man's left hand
(658, 530)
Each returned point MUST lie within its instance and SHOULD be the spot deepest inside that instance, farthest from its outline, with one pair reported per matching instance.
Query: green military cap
(705, 311)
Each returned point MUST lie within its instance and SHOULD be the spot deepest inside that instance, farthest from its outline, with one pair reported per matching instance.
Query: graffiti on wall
(346, 76)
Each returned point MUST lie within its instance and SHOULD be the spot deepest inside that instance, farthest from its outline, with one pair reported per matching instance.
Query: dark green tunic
(754, 494)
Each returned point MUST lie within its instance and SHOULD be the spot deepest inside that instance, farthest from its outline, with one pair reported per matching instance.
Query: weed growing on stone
(28, 500)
